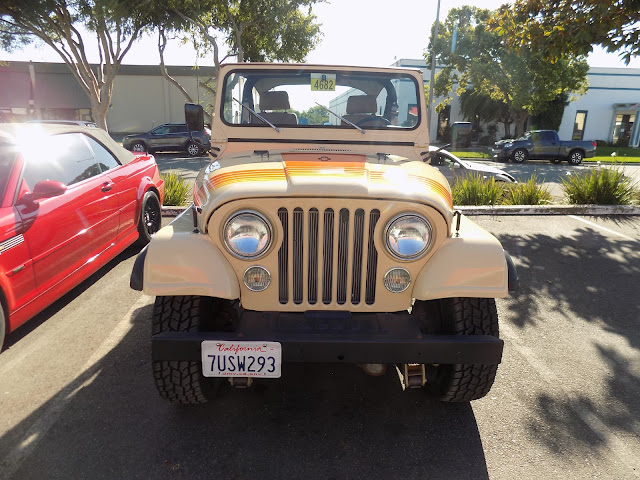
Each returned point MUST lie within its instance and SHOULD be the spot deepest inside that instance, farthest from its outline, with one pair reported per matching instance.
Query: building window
(579, 124)
(622, 129)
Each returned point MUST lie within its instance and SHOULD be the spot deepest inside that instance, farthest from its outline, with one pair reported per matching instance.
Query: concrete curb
(552, 210)
(590, 210)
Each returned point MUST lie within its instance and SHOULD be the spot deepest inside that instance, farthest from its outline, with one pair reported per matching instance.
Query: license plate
(241, 359)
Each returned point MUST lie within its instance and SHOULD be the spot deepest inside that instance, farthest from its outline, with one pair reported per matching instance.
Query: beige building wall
(141, 102)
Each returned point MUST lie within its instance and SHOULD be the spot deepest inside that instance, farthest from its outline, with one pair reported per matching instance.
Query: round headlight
(247, 234)
(408, 236)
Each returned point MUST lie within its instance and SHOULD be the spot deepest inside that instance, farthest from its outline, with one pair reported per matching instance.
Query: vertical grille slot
(312, 293)
(298, 252)
(358, 242)
(283, 257)
(327, 255)
(343, 251)
(372, 260)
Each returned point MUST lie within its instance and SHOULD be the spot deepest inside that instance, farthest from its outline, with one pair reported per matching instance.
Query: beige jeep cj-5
(320, 233)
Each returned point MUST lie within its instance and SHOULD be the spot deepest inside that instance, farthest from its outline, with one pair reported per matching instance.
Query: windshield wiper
(341, 118)
(258, 116)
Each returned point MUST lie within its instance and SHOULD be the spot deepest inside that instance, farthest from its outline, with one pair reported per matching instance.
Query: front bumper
(500, 154)
(339, 337)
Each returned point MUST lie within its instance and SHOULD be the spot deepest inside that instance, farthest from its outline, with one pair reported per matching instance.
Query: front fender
(473, 264)
(180, 262)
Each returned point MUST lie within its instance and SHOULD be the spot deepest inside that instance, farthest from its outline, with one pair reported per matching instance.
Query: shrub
(602, 186)
(528, 193)
(176, 189)
(476, 190)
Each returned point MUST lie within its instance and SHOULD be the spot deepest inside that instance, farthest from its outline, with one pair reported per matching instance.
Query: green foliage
(476, 190)
(176, 189)
(314, 116)
(528, 193)
(550, 117)
(601, 186)
(515, 83)
(554, 27)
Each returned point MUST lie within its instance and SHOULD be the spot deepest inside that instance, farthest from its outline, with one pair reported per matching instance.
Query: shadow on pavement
(317, 422)
(584, 277)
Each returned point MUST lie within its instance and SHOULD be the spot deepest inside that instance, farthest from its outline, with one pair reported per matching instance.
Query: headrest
(274, 101)
(362, 104)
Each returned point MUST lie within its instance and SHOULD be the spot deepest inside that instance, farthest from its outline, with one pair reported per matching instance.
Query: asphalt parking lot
(78, 401)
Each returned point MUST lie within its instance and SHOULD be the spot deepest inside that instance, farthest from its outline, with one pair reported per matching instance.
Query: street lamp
(433, 67)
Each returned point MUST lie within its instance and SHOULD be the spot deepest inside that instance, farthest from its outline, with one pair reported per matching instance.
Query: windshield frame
(387, 75)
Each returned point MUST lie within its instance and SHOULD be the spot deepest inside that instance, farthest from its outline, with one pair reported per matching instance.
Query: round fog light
(397, 280)
(257, 279)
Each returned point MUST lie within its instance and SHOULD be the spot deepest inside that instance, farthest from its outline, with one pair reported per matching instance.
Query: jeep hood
(284, 174)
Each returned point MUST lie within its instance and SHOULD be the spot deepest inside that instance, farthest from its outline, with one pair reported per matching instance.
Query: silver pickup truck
(543, 145)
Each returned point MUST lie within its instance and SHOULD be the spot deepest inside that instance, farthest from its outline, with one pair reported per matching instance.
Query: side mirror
(194, 117)
(44, 189)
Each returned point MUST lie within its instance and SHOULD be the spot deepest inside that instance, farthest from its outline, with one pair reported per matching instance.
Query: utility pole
(433, 67)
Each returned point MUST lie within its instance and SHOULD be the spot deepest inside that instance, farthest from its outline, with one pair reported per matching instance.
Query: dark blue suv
(169, 137)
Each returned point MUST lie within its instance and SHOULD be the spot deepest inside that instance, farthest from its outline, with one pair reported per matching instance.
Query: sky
(355, 32)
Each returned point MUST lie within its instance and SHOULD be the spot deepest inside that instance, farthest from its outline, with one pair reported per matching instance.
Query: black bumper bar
(314, 337)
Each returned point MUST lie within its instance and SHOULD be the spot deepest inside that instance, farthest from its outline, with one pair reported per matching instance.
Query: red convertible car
(71, 199)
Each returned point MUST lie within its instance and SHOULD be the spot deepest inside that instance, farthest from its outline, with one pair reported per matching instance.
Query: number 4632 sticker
(323, 81)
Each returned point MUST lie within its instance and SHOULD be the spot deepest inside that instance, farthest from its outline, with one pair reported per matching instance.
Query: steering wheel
(374, 120)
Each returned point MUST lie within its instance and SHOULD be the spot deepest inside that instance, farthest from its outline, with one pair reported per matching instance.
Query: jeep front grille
(333, 256)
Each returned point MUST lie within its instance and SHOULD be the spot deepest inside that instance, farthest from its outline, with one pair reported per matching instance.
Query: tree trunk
(162, 43)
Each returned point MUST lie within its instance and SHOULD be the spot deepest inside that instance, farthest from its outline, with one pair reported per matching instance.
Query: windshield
(327, 99)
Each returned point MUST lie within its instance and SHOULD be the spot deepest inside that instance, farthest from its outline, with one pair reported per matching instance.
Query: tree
(554, 27)
(252, 30)
(522, 81)
(60, 25)
(313, 116)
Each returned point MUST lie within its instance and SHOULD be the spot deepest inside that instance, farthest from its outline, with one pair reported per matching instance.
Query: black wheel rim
(152, 216)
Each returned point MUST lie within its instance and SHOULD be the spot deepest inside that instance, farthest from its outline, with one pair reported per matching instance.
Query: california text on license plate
(241, 359)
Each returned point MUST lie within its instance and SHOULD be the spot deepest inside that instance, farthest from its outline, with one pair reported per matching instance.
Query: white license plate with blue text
(241, 359)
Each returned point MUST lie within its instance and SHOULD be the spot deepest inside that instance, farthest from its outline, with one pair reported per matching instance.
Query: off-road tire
(150, 219)
(459, 316)
(575, 157)
(182, 382)
(520, 155)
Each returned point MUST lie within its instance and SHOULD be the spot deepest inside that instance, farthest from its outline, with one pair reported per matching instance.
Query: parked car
(543, 145)
(322, 243)
(169, 137)
(453, 168)
(71, 200)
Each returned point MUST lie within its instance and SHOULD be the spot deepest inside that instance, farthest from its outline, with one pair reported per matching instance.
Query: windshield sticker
(323, 82)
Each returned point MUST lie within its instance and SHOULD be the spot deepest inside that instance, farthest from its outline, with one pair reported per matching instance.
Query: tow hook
(241, 382)
(413, 375)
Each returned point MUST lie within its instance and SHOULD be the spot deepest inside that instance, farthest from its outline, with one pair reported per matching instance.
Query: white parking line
(616, 445)
(48, 416)
(605, 229)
